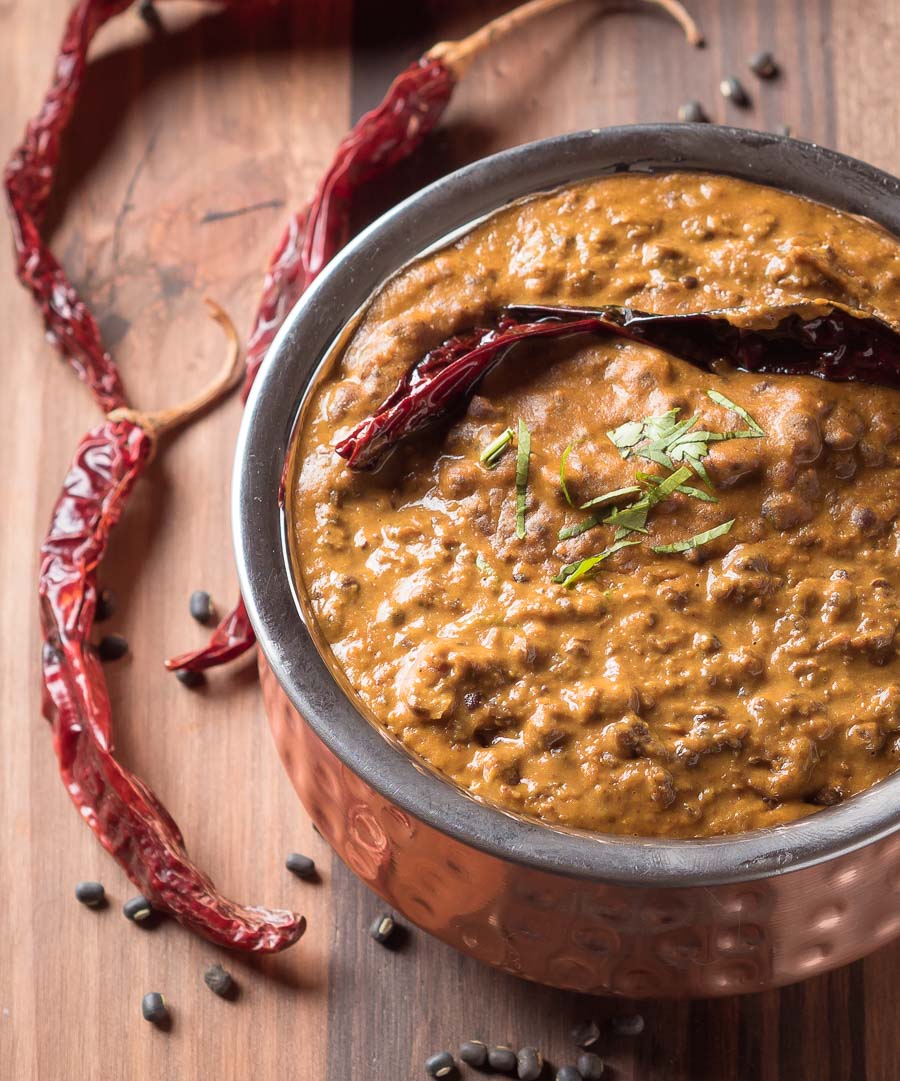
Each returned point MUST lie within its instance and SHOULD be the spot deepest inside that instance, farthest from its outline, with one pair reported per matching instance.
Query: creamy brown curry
(742, 683)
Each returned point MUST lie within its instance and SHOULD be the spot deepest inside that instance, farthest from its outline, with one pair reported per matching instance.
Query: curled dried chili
(820, 338)
(125, 815)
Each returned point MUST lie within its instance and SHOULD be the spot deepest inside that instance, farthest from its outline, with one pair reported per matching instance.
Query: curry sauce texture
(744, 682)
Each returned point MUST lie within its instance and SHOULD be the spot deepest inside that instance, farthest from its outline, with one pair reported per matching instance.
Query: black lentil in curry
(743, 682)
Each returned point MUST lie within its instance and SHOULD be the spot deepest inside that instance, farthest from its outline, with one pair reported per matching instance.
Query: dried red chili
(821, 338)
(448, 381)
(126, 816)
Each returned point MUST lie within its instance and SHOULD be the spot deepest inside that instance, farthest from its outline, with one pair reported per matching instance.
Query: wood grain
(179, 171)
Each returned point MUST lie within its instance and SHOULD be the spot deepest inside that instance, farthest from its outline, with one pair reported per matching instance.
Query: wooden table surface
(188, 150)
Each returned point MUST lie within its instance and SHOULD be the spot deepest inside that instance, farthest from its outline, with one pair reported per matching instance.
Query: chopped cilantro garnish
(685, 489)
(697, 540)
(573, 572)
(569, 531)
(611, 497)
(633, 518)
(492, 453)
(753, 429)
(562, 473)
(482, 564)
(667, 440)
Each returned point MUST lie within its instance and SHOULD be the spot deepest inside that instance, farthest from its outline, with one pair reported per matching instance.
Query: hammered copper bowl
(630, 916)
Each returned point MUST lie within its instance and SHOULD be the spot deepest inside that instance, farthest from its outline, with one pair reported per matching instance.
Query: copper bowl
(630, 916)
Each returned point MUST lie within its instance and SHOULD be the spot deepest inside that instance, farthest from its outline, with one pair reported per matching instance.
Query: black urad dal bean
(219, 981)
(502, 1058)
(732, 89)
(590, 1066)
(301, 866)
(568, 1073)
(137, 909)
(441, 1064)
(763, 64)
(190, 678)
(586, 1034)
(154, 1009)
(200, 606)
(529, 1064)
(630, 1024)
(91, 894)
(473, 1053)
(692, 112)
(112, 647)
(382, 928)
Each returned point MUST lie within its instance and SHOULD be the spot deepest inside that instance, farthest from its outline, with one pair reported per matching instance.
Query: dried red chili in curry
(819, 338)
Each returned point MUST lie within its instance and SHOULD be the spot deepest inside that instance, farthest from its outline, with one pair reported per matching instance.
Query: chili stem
(459, 54)
(226, 379)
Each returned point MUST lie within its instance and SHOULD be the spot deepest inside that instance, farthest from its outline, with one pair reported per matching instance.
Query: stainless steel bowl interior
(264, 440)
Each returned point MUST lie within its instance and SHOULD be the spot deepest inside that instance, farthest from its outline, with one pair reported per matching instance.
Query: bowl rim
(347, 283)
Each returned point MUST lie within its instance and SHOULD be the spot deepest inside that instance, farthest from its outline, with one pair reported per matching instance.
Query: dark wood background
(187, 152)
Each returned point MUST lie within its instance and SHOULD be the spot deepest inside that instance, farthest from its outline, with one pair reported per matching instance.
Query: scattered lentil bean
(629, 1024)
(190, 678)
(382, 928)
(154, 1009)
(106, 605)
(568, 1073)
(502, 1058)
(586, 1034)
(112, 647)
(301, 866)
(441, 1064)
(732, 89)
(692, 112)
(91, 894)
(763, 64)
(137, 909)
(219, 980)
(530, 1064)
(473, 1053)
(590, 1066)
(200, 606)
